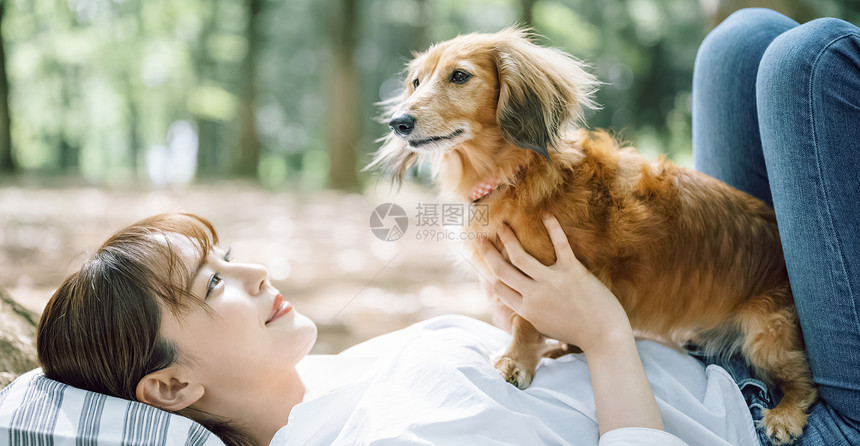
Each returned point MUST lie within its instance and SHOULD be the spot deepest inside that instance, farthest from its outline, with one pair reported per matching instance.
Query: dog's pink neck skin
(484, 188)
(489, 185)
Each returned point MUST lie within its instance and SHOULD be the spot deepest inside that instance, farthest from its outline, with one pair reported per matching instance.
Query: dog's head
(482, 94)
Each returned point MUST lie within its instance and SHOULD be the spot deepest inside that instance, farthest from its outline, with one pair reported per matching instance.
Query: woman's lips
(280, 307)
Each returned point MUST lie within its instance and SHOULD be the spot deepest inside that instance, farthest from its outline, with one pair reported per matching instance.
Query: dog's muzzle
(402, 125)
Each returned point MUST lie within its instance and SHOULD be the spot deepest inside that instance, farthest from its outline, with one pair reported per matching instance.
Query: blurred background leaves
(259, 115)
(161, 92)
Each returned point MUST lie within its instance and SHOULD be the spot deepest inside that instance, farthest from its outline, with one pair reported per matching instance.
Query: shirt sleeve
(639, 436)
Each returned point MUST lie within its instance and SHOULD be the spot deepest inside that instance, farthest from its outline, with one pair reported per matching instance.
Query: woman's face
(252, 336)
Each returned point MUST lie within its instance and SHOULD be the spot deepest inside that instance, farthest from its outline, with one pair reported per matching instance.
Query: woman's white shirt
(432, 384)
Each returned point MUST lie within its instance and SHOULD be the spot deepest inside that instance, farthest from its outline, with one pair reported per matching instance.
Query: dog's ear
(542, 91)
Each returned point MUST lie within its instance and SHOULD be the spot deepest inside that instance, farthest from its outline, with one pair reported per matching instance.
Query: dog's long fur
(687, 255)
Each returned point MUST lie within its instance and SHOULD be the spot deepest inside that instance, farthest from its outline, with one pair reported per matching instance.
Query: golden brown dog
(688, 256)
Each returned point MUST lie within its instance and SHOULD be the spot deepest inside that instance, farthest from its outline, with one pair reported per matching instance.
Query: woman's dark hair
(100, 329)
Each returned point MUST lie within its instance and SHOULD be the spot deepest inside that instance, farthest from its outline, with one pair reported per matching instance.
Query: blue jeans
(776, 113)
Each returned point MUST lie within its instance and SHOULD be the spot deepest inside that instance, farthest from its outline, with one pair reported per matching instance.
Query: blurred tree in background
(164, 91)
(7, 163)
(343, 130)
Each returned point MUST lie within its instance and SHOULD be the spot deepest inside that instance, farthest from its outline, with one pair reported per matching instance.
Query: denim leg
(758, 395)
(808, 94)
(726, 142)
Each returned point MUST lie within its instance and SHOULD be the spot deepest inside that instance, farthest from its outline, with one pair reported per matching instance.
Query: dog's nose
(402, 125)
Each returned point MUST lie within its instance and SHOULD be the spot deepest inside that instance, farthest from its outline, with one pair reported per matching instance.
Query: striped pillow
(36, 411)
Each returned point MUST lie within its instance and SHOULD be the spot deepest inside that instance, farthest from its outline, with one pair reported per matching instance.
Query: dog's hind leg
(774, 346)
(560, 350)
(517, 365)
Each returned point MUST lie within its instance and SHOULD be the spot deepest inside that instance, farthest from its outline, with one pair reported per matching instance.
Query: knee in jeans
(736, 33)
(816, 34)
(791, 58)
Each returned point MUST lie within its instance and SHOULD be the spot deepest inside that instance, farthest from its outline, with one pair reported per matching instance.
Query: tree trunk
(17, 339)
(134, 140)
(209, 163)
(526, 9)
(69, 150)
(7, 163)
(420, 36)
(249, 141)
(342, 117)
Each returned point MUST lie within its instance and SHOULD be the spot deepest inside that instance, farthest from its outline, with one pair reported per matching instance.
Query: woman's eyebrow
(203, 259)
(199, 266)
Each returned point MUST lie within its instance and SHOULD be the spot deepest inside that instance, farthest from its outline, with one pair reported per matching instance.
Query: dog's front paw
(514, 372)
(783, 424)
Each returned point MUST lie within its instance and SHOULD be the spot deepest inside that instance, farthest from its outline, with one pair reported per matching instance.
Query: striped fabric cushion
(36, 411)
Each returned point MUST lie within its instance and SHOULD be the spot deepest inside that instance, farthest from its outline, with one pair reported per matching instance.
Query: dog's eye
(460, 77)
(415, 83)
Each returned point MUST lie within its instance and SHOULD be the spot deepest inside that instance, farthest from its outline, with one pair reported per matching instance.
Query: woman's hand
(563, 301)
(500, 314)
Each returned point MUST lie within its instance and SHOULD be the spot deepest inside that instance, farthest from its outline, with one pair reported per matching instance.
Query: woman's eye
(415, 83)
(460, 77)
(213, 282)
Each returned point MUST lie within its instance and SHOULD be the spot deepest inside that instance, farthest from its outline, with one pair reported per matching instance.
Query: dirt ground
(318, 248)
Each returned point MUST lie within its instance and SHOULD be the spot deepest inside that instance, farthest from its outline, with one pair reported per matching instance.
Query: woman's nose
(255, 278)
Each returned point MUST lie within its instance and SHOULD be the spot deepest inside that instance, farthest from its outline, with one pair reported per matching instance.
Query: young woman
(163, 315)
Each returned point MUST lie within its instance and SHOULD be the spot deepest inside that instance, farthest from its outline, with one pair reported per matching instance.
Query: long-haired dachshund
(689, 257)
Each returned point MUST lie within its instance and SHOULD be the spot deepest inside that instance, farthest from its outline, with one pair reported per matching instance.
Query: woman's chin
(306, 333)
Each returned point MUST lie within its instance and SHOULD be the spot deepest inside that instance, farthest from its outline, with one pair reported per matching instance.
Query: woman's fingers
(563, 251)
(508, 296)
(501, 269)
(519, 257)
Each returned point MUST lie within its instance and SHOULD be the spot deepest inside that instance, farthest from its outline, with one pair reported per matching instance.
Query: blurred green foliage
(151, 91)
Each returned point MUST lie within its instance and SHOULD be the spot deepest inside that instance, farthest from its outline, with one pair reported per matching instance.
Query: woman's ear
(166, 390)
(542, 91)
